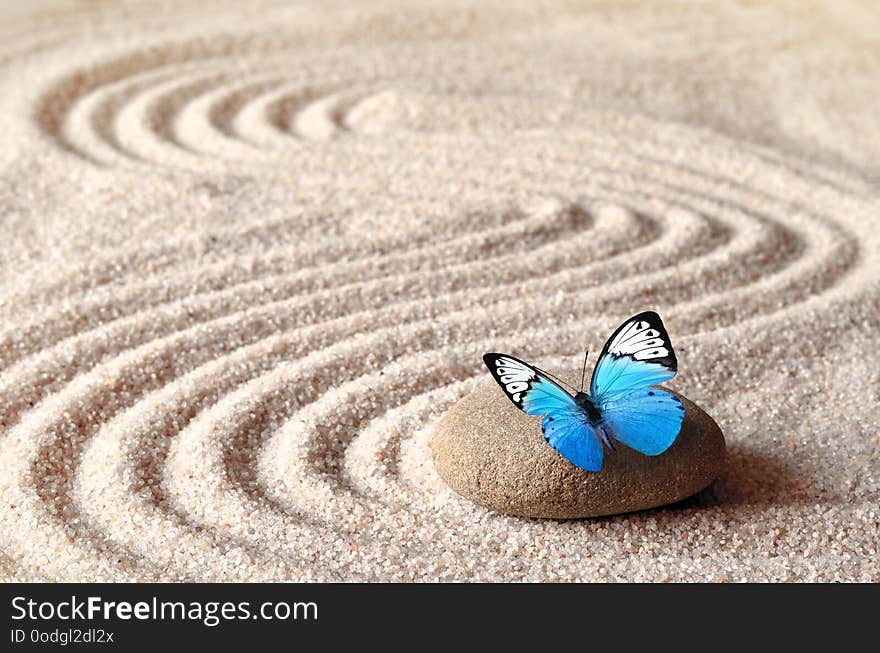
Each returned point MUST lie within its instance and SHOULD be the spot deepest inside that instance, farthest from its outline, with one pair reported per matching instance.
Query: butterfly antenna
(584, 371)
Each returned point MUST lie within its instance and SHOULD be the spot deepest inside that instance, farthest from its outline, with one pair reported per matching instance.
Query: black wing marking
(528, 387)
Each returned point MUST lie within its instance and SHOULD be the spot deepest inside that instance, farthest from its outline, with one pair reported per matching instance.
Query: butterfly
(622, 404)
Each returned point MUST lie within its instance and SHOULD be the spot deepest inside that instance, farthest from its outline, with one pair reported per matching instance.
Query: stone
(495, 455)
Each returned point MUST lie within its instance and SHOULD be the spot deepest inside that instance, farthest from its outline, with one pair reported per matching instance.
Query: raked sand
(250, 256)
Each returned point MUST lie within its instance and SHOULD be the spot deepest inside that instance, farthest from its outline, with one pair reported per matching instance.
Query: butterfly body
(592, 412)
(623, 403)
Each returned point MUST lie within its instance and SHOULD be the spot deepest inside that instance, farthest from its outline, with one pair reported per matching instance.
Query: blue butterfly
(622, 403)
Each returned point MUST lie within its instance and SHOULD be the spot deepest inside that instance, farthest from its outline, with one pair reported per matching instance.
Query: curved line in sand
(301, 273)
(185, 452)
(54, 491)
(313, 491)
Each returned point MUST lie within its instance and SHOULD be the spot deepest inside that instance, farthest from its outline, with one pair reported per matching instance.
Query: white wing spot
(515, 376)
(639, 340)
(646, 354)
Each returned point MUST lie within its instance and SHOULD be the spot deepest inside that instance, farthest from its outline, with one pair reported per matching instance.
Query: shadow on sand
(749, 478)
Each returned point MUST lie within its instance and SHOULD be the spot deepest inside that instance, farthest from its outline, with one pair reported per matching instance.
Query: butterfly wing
(564, 426)
(637, 356)
(647, 419)
(572, 436)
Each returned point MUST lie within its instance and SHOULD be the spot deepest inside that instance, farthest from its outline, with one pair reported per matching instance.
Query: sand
(251, 256)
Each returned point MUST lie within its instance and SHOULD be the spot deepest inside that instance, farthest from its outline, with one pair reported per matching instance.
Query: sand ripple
(304, 251)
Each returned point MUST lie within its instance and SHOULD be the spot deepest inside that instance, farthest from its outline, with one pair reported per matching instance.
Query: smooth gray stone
(495, 455)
